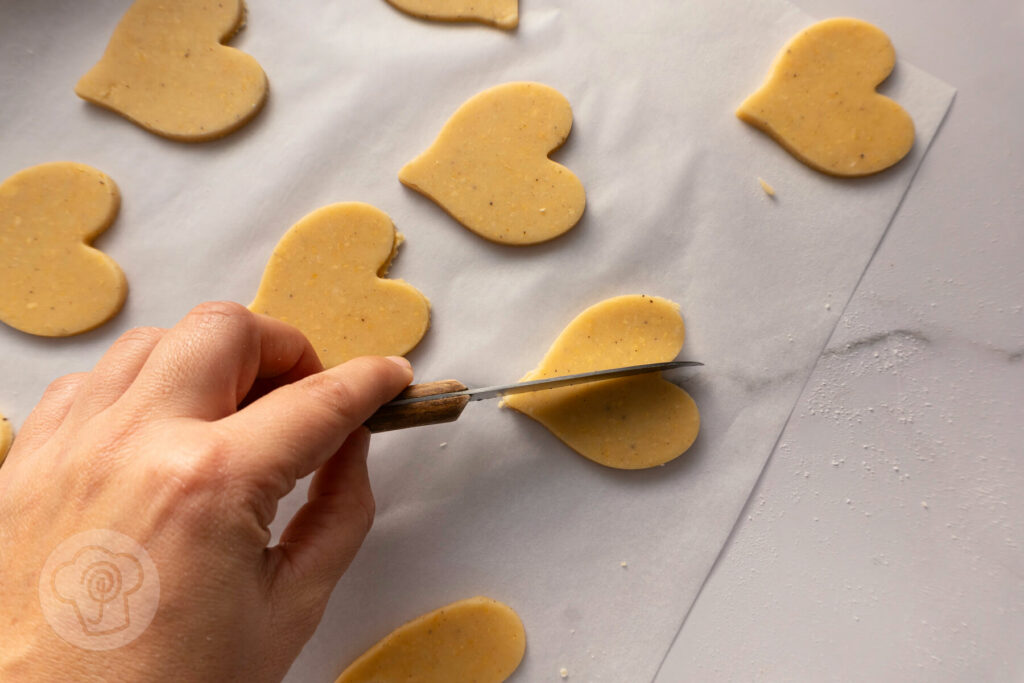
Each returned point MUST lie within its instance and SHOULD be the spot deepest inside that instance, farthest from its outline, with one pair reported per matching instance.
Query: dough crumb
(768, 189)
(563, 672)
(924, 505)
(623, 564)
(443, 444)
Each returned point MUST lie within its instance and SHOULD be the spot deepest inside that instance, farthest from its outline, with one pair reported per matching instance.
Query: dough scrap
(489, 168)
(627, 423)
(478, 639)
(166, 70)
(500, 13)
(326, 277)
(819, 101)
(6, 437)
(54, 283)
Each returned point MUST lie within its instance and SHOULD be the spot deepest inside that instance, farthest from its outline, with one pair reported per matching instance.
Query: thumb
(325, 534)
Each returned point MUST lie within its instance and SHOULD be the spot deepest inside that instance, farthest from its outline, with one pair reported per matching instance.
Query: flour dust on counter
(166, 70)
(327, 278)
(55, 283)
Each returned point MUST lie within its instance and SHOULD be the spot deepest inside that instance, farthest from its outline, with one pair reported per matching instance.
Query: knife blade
(436, 402)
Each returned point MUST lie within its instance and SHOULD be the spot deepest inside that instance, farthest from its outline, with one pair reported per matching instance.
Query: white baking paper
(674, 209)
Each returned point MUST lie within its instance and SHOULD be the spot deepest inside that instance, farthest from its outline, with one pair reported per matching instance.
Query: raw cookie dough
(478, 639)
(54, 283)
(489, 168)
(6, 437)
(500, 13)
(819, 101)
(628, 423)
(166, 70)
(325, 277)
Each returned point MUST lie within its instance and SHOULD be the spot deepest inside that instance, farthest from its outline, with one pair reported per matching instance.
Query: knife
(443, 401)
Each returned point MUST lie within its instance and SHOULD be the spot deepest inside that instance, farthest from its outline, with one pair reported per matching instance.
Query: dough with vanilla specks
(327, 277)
(479, 640)
(626, 423)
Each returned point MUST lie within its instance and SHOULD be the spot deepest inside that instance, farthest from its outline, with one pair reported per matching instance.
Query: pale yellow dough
(54, 283)
(325, 277)
(629, 423)
(820, 104)
(479, 640)
(6, 437)
(489, 168)
(500, 13)
(166, 70)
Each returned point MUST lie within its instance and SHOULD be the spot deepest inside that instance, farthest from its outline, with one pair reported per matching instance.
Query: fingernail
(400, 362)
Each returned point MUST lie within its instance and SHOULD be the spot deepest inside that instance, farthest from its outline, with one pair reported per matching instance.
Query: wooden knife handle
(391, 417)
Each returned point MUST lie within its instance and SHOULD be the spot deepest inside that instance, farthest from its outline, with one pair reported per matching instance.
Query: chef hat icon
(97, 583)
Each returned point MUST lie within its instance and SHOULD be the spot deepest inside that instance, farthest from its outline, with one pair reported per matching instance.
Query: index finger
(205, 365)
(296, 428)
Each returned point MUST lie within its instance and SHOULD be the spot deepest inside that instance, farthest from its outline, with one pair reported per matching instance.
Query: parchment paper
(674, 209)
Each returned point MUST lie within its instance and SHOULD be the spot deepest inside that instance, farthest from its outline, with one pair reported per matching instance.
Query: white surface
(310, 148)
(837, 570)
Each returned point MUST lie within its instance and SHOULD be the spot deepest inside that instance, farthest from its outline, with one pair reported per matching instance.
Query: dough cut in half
(327, 277)
(628, 423)
(54, 283)
(819, 101)
(489, 166)
(478, 639)
(500, 13)
(166, 70)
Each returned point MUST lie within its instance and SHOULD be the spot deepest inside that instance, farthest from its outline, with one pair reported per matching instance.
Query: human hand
(152, 444)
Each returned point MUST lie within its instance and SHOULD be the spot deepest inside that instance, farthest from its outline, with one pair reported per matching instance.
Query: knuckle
(64, 384)
(367, 506)
(196, 464)
(335, 395)
(218, 313)
(141, 336)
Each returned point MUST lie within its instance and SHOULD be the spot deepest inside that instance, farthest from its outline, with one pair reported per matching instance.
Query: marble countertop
(884, 539)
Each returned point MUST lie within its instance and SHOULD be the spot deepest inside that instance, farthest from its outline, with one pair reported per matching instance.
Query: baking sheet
(674, 209)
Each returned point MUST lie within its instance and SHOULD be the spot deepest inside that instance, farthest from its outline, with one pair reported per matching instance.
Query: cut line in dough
(628, 423)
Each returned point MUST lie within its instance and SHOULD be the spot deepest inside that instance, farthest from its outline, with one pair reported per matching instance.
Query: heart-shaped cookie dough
(54, 283)
(820, 103)
(166, 70)
(489, 168)
(478, 639)
(6, 437)
(628, 423)
(500, 13)
(325, 277)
